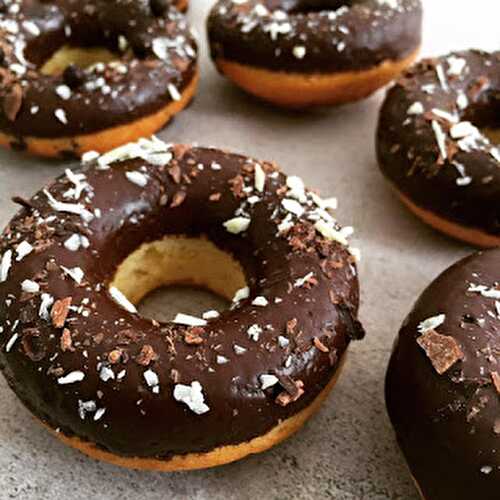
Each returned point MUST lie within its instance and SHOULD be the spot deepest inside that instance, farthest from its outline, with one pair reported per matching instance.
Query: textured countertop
(348, 450)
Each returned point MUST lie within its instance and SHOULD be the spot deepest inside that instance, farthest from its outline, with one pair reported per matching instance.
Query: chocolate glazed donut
(76, 76)
(443, 383)
(195, 392)
(299, 53)
(437, 144)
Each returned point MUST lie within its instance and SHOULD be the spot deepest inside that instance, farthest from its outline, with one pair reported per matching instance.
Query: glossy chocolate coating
(138, 422)
(464, 187)
(337, 36)
(448, 425)
(153, 53)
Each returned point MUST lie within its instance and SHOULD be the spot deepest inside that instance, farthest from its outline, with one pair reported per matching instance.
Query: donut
(443, 383)
(80, 76)
(196, 391)
(300, 53)
(437, 144)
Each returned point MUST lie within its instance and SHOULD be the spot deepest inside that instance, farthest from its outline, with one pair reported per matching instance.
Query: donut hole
(81, 57)
(179, 274)
(312, 6)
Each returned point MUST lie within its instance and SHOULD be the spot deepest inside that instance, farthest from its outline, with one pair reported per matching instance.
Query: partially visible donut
(298, 53)
(196, 392)
(78, 76)
(443, 383)
(432, 150)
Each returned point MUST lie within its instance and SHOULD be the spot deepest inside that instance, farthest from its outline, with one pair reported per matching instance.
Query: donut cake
(437, 144)
(298, 53)
(78, 76)
(443, 383)
(196, 391)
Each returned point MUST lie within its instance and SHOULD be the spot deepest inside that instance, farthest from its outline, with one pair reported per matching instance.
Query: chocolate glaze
(464, 187)
(109, 94)
(448, 425)
(324, 306)
(337, 36)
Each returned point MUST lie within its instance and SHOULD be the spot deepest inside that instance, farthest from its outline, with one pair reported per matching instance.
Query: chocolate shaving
(178, 199)
(290, 326)
(442, 350)
(293, 391)
(193, 336)
(23, 202)
(495, 377)
(66, 341)
(60, 311)
(146, 356)
(237, 184)
(175, 172)
(319, 345)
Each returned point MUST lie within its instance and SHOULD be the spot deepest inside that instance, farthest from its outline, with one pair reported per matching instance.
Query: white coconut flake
(221, 360)
(5, 265)
(64, 92)
(237, 225)
(238, 350)
(283, 342)
(440, 139)
(71, 378)
(254, 332)
(442, 78)
(431, 323)
(106, 374)
(299, 51)
(30, 286)
(260, 301)
(260, 178)
(300, 282)
(85, 407)
(174, 92)
(137, 178)
(417, 108)
(212, 314)
(489, 293)
(60, 114)
(329, 232)
(297, 189)
(75, 242)
(99, 414)
(74, 273)
(45, 304)
(192, 396)
(292, 206)
(121, 300)
(188, 320)
(160, 47)
(241, 294)
(464, 129)
(70, 208)
(267, 380)
(31, 28)
(22, 250)
(456, 65)
(11, 342)
(90, 156)
(151, 378)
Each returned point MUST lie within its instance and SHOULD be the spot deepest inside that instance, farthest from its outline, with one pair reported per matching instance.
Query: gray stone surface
(347, 451)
